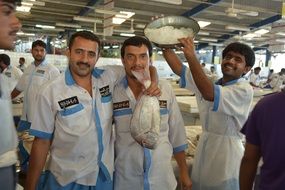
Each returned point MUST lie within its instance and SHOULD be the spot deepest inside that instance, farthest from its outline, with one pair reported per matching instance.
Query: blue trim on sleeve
(40, 134)
(106, 99)
(123, 112)
(164, 111)
(147, 161)
(183, 77)
(217, 94)
(180, 148)
(70, 111)
(23, 125)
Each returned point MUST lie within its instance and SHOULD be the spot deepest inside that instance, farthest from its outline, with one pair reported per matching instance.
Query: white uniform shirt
(14, 74)
(30, 82)
(141, 168)
(22, 67)
(220, 149)
(79, 125)
(254, 79)
(8, 137)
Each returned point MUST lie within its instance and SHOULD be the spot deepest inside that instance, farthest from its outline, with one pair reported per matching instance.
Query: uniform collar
(219, 82)
(70, 81)
(97, 72)
(124, 81)
(44, 62)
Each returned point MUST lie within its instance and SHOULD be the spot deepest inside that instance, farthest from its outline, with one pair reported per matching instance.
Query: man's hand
(188, 47)
(153, 90)
(185, 181)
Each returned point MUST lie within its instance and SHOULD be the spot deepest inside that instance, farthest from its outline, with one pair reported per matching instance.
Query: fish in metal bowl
(164, 32)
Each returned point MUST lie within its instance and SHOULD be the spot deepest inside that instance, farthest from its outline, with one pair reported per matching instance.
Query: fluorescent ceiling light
(250, 35)
(25, 9)
(174, 2)
(281, 33)
(127, 34)
(280, 40)
(204, 33)
(45, 26)
(69, 25)
(209, 39)
(141, 26)
(216, 44)
(21, 33)
(38, 3)
(261, 31)
(125, 14)
(116, 20)
(234, 27)
(86, 19)
(203, 24)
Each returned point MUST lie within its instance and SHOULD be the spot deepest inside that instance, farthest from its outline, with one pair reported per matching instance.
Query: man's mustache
(83, 63)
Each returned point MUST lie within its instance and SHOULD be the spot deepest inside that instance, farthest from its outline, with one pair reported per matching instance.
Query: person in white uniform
(224, 108)
(10, 25)
(36, 74)
(12, 72)
(137, 167)
(254, 78)
(74, 122)
(22, 64)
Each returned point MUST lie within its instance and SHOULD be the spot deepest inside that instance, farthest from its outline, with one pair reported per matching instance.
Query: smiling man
(224, 108)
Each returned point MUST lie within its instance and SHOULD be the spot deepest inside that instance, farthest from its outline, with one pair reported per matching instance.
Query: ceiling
(247, 14)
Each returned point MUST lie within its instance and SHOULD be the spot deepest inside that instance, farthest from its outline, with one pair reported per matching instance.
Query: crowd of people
(77, 124)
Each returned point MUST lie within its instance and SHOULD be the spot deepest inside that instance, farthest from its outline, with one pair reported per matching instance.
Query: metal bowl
(177, 22)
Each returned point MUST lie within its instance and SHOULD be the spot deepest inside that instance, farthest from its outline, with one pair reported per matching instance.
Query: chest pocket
(122, 119)
(74, 118)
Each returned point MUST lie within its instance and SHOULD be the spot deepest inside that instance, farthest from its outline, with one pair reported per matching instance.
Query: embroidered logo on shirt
(41, 71)
(68, 102)
(8, 74)
(119, 105)
(163, 103)
(105, 91)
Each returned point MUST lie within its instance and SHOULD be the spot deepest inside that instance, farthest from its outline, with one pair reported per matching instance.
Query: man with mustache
(74, 122)
(10, 25)
(36, 74)
(136, 166)
(224, 108)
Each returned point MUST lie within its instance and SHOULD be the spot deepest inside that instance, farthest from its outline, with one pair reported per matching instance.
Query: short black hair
(242, 49)
(257, 68)
(86, 35)
(137, 41)
(22, 59)
(5, 59)
(39, 43)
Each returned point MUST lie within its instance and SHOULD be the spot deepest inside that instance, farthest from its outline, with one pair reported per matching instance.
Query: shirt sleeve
(43, 120)
(233, 99)
(187, 81)
(117, 73)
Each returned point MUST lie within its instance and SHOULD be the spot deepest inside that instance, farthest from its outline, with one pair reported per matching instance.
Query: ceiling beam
(200, 8)
(84, 11)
